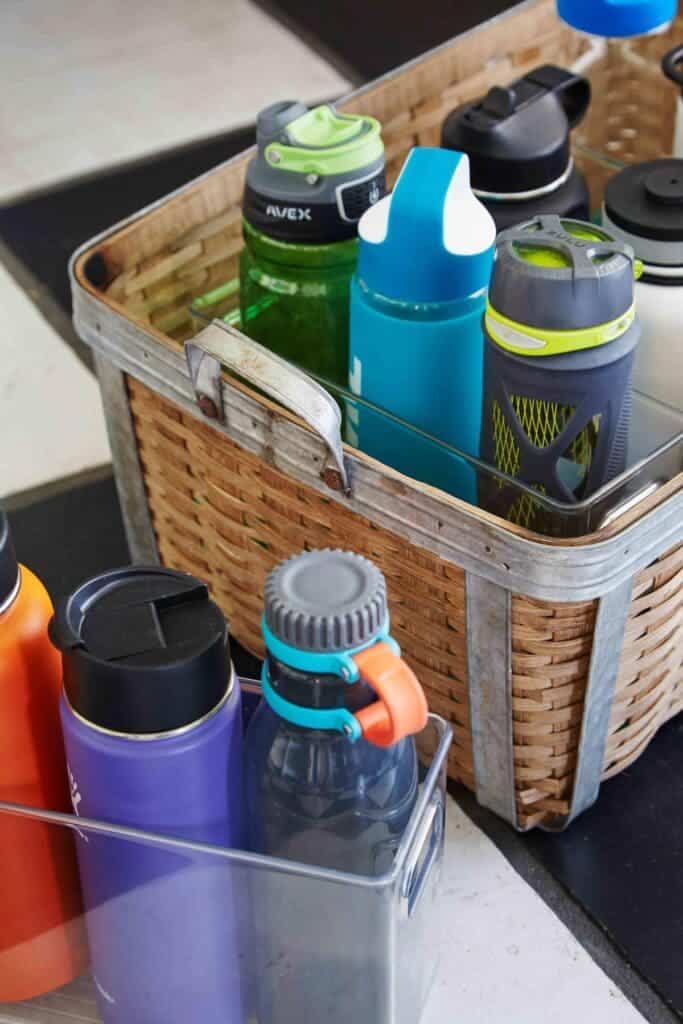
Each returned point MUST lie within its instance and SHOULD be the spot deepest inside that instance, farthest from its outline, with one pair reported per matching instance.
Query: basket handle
(220, 345)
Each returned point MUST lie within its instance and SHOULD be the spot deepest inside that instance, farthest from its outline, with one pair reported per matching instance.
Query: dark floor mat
(78, 533)
(372, 38)
(70, 536)
(623, 861)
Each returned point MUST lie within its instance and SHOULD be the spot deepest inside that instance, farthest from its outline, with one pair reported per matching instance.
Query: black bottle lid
(517, 137)
(646, 200)
(144, 649)
(9, 567)
(672, 66)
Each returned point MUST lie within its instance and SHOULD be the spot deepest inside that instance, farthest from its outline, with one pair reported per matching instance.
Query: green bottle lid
(315, 173)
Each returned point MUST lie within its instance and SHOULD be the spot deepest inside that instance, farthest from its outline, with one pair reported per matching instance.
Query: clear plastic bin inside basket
(225, 937)
(649, 467)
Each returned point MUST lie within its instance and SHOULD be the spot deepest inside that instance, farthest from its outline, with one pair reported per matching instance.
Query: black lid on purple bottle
(9, 567)
(145, 650)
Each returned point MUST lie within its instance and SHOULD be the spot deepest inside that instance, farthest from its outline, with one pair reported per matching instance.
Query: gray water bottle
(561, 337)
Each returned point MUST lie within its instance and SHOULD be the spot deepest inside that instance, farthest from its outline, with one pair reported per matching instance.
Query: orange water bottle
(42, 940)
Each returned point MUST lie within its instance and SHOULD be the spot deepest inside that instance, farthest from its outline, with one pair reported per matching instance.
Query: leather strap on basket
(220, 346)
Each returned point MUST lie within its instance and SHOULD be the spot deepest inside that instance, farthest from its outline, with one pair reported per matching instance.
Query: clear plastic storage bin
(311, 944)
(654, 453)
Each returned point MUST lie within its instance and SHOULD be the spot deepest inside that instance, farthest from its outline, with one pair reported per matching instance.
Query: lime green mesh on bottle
(542, 422)
(524, 509)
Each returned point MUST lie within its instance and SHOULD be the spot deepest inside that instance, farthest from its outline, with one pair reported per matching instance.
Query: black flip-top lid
(517, 137)
(9, 568)
(144, 650)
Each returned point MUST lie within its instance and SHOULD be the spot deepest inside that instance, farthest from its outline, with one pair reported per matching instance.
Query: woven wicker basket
(555, 662)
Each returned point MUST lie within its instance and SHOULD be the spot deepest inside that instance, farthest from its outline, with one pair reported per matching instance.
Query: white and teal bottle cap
(431, 240)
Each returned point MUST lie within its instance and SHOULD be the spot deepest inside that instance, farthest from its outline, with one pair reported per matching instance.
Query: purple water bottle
(152, 728)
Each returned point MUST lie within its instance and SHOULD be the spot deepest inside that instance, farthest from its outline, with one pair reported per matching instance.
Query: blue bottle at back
(417, 301)
(617, 18)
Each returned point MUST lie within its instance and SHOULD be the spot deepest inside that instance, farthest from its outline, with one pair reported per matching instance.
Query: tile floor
(87, 85)
(506, 958)
(51, 421)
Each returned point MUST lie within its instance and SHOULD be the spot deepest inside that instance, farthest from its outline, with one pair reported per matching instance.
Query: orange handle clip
(401, 709)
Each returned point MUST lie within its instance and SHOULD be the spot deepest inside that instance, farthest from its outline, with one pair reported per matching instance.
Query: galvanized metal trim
(608, 639)
(489, 666)
(205, 373)
(130, 482)
(450, 529)
(219, 344)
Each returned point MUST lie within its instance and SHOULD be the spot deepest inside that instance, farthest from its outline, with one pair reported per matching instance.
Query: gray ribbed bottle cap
(326, 601)
(595, 286)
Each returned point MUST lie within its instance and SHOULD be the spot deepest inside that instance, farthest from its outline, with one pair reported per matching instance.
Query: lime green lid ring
(533, 341)
(358, 144)
(560, 275)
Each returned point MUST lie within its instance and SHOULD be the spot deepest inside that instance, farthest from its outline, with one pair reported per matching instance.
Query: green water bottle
(314, 175)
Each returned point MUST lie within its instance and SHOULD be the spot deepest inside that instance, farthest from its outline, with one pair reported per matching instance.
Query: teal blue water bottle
(417, 302)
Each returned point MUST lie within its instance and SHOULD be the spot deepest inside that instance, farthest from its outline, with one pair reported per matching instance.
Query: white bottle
(644, 207)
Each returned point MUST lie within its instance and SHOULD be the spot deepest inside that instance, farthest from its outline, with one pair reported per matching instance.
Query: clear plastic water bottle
(331, 762)
(672, 66)
(332, 778)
